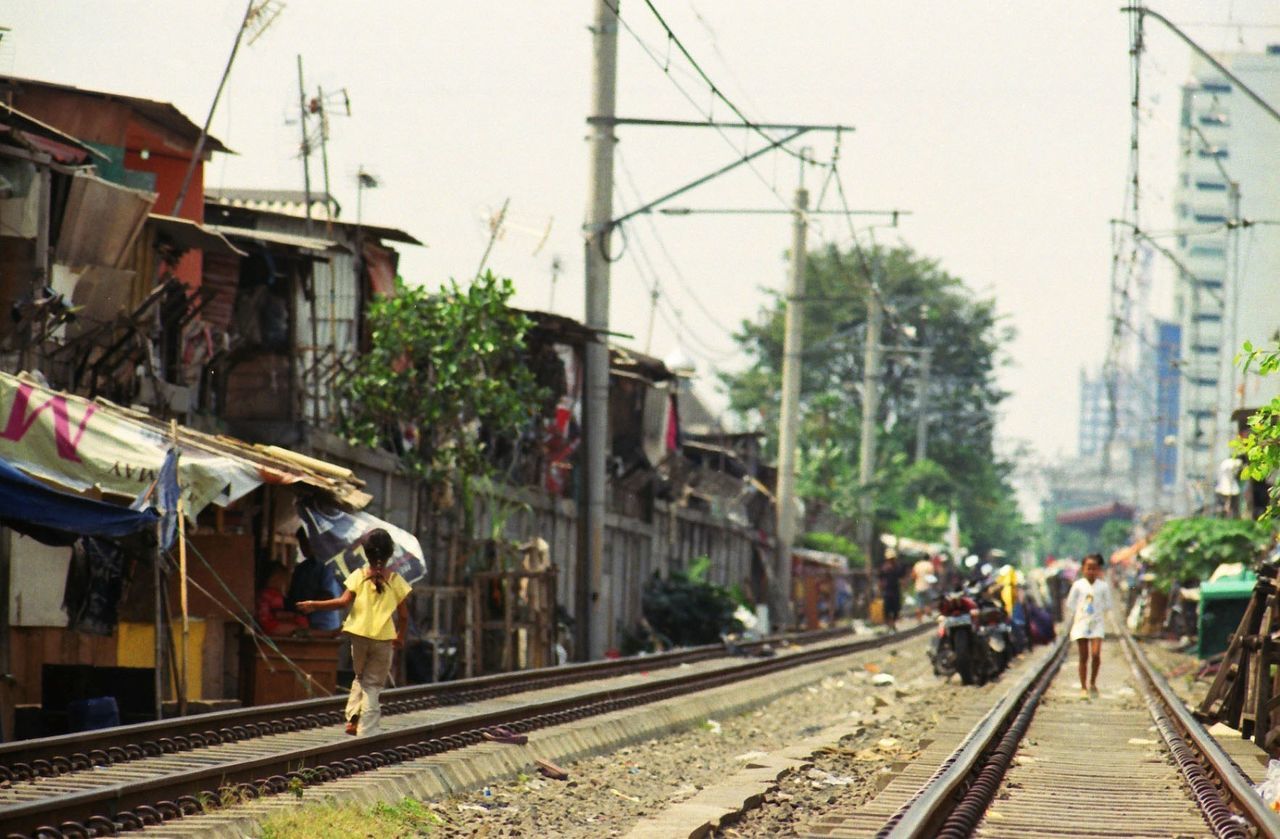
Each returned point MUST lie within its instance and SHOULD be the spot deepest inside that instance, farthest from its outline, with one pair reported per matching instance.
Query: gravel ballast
(608, 795)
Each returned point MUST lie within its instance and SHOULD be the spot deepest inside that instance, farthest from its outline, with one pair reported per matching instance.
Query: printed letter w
(20, 422)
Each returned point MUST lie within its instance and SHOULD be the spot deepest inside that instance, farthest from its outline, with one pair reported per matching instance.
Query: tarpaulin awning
(92, 445)
(33, 508)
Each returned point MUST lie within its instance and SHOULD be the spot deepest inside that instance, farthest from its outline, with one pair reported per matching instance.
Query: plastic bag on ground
(1269, 789)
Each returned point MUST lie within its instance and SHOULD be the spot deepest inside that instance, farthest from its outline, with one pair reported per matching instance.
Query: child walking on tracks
(1087, 604)
(373, 593)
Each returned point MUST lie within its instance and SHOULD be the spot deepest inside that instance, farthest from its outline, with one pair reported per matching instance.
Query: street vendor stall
(223, 514)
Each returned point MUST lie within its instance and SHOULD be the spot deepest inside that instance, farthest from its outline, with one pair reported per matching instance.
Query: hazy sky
(1002, 126)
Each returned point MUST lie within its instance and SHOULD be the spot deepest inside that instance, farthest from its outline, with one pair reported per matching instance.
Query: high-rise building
(1228, 247)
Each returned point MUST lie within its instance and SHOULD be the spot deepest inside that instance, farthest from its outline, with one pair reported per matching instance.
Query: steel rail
(975, 769)
(1230, 780)
(923, 815)
(51, 756)
(133, 805)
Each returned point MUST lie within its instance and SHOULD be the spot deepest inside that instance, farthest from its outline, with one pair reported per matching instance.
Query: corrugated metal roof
(292, 204)
(189, 234)
(18, 121)
(162, 113)
(307, 243)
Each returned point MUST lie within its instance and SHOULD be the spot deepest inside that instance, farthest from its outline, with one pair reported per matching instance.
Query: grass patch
(409, 818)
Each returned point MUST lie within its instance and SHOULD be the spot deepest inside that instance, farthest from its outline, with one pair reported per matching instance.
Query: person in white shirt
(1088, 603)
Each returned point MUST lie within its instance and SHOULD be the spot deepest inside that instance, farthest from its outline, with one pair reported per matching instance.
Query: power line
(715, 90)
(644, 263)
(665, 67)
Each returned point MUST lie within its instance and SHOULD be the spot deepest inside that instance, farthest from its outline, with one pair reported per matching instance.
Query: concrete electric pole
(789, 419)
(870, 409)
(922, 405)
(598, 228)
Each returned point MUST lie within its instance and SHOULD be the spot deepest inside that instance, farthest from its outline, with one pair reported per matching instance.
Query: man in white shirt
(1088, 603)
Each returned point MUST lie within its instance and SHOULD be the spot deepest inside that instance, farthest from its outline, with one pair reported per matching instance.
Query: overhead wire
(675, 268)
(665, 67)
(716, 92)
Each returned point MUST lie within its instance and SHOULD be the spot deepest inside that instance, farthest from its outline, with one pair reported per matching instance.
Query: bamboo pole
(182, 590)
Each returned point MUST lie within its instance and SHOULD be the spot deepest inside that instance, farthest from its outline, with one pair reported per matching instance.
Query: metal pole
(183, 692)
(1235, 399)
(870, 409)
(789, 418)
(306, 144)
(922, 405)
(198, 152)
(598, 229)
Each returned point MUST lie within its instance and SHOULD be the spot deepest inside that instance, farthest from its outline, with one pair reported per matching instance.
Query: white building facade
(1228, 288)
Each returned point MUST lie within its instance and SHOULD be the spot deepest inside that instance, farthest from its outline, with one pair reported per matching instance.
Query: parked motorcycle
(953, 648)
(974, 638)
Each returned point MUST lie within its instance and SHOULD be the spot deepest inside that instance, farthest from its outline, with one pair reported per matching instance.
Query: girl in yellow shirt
(374, 595)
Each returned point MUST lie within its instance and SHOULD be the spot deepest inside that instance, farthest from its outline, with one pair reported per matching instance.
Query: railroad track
(47, 757)
(102, 790)
(1044, 762)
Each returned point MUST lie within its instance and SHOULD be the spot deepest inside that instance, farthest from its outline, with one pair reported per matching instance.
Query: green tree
(1194, 547)
(927, 307)
(443, 366)
(1260, 448)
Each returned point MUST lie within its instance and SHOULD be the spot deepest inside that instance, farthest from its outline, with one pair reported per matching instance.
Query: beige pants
(371, 661)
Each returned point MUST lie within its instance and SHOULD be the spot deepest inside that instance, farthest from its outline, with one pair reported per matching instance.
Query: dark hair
(1096, 558)
(378, 548)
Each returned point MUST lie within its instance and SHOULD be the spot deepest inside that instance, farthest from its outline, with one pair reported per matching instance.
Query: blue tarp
(35, 509)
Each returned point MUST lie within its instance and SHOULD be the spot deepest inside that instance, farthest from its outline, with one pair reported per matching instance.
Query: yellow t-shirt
(371, 612)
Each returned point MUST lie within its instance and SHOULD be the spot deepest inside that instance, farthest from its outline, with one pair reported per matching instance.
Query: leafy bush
(687, 610)
(1195, 547)
(1260, 448)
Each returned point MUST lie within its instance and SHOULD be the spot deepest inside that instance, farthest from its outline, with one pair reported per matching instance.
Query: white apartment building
(1228, 291)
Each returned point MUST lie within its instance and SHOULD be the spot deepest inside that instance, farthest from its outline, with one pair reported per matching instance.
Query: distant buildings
(1228, 244)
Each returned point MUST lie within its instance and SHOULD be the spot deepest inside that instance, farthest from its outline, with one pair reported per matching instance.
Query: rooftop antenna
(253, 20)
(260, 18)
(320, 107)
(556, 267)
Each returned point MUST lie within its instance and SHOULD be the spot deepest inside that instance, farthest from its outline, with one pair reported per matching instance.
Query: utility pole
(870, 409)
(589, 577)
(789, 419)
(1235, 396)
(324, 160)
(306, 144)
(922, 405)
(198, 151)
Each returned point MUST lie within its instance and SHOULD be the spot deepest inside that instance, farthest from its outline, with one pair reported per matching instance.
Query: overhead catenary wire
(675, 268)
(716, 91)
(665, 67)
